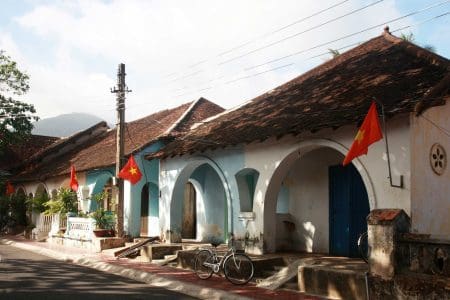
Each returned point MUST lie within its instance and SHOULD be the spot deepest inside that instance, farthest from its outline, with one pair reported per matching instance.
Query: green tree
(15, 116)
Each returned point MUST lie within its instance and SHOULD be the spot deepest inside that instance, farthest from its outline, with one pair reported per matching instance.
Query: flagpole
(387, 147)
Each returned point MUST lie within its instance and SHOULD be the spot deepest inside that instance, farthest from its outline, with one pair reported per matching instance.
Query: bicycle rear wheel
(202, 257)
(238, 268)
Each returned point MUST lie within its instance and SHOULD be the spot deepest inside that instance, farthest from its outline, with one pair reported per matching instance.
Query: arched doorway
(302, 201)
(201, 190)
(189, 222)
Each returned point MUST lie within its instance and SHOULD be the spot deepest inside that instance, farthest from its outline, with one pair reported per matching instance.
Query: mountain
(65, 125)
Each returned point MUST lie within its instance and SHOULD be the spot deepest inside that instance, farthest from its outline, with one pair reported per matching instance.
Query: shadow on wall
(292, 236)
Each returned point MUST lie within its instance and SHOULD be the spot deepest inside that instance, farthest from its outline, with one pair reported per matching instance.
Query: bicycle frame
(216, 266)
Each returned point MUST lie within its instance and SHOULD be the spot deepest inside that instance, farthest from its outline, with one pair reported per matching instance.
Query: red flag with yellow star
(73, 179)
(368, 133)
(9, 188)
(130, 171)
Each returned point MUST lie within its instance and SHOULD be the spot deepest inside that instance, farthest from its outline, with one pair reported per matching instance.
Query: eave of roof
(399, 74)
(99, 153)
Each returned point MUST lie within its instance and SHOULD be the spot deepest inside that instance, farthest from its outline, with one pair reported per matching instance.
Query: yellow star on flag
(133, 171)
(130, 171)
(359, 136)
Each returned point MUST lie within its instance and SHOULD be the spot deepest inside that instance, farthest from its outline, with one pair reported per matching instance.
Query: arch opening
(199, 207)
(311, 198)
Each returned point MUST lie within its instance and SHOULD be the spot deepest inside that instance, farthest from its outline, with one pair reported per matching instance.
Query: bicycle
(237, 267)
(363, 246)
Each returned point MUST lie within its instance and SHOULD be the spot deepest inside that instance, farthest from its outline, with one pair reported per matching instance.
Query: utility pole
(120, 91)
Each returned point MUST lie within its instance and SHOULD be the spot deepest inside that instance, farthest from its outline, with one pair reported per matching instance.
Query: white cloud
(156, 38)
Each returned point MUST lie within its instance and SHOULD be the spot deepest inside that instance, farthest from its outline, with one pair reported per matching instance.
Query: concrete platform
(158, 251)
(333, 277)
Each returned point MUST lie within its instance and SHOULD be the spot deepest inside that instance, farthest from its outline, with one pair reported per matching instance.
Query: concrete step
(159, 251)
(333, 279)
(261, 264)
(283, 276)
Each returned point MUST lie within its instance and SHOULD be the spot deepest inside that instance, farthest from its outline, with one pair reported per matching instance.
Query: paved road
(26, 275)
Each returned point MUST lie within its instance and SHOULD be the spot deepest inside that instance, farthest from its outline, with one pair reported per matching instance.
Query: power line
(253, 75)
(421, 22)
(335, 40)
(318, 55)
(442, 129)
(265, 35)
(282, 28)
(300, 33)
(235, 80)
(323, 44)
(347, 36)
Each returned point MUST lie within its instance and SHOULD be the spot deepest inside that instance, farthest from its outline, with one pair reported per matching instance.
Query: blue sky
(174, 50)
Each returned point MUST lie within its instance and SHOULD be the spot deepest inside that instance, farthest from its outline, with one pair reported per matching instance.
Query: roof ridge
(415, 49)
(62, 141)
(183, 116)
(155, 113)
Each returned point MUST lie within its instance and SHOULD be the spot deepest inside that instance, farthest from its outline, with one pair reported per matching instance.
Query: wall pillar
(383, 227)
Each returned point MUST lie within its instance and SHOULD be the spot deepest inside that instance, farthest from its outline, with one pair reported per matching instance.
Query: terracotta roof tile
(399, 74)
(14, 156)
(100, 151)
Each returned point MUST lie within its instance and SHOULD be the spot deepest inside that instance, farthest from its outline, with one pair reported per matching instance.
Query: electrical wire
(442, 129)
(235, 80)
(300, 33)
(324, 53)
(348, 35)
(266, 35)
(333, 41)
(282, 28)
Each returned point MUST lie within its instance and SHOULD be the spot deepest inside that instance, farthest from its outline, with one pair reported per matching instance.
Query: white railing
(58, 222)
(62, 221)
(43, 226)
(80, 228)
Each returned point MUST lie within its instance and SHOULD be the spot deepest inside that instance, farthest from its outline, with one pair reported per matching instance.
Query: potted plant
(104, 220)
(65, 202)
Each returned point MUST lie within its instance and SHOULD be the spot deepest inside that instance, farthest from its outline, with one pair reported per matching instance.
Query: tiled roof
(14, 156)
(100, 151)
(401, 75)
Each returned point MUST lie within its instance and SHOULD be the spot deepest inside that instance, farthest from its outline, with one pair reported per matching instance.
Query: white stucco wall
(53, 183)
(274, 159)
(309, 199)
(430, 193)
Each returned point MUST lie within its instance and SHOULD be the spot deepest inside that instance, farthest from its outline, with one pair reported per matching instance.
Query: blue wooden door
(349, 207)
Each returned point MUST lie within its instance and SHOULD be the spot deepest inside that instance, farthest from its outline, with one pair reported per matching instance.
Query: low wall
(423, 254)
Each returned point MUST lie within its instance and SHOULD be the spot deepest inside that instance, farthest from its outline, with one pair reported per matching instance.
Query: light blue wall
(98, 179)
(150, 174)
(177, 171)
(213, 198)
(132, 205)
(231, 162)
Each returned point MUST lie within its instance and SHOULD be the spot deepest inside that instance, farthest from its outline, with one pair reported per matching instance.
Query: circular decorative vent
(438, 159)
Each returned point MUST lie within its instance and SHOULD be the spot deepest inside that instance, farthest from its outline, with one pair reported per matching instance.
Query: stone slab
(158, 251)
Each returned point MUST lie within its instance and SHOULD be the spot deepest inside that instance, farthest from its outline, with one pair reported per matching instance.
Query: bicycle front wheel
(203, 271)
(363, 246)
(238, 268)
